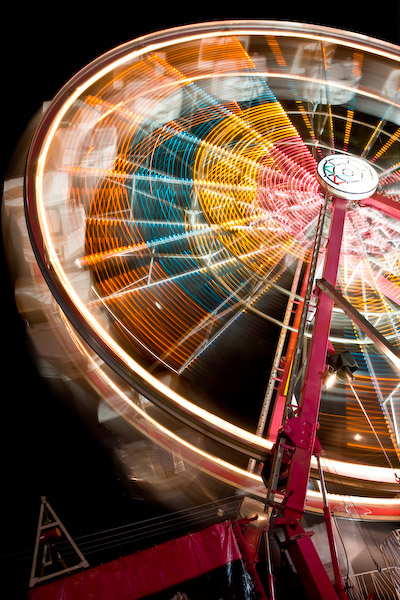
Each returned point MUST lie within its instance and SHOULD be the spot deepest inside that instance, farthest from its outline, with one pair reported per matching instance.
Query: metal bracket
(300, 432)
(382, 344)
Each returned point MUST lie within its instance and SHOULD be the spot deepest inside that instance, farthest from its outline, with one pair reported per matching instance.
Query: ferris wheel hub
(347, 176)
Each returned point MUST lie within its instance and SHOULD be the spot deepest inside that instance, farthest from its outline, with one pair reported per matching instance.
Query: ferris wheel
(178, 196)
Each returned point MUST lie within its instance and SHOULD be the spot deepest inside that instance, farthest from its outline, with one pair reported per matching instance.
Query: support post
(304, 424)
(297, 438)
(382, 344)
(247, 558)
(307, 562)
(331, 535)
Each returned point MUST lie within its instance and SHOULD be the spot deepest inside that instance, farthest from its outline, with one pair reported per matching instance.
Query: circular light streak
(173, 181)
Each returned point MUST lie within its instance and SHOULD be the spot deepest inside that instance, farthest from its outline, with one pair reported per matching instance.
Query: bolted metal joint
(300, 432)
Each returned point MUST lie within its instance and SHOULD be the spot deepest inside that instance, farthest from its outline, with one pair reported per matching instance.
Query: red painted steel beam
(304, 425)
(383, 204)
(300, 431)
(339, 585)
(311, 571)
(381, 343)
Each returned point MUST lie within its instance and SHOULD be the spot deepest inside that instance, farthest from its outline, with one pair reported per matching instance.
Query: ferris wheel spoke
(190, 171)
(378, 282)
(379, 127)
(215, 322)
(388, 171)
(240, 305)
(326, 77)
(239, 120)
(305, 114)
(354, 274)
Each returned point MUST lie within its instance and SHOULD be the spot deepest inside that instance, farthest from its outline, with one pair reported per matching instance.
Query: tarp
(202, 565)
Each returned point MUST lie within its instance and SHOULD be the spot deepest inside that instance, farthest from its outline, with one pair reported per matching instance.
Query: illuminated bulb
(329, 380)
(357, 437)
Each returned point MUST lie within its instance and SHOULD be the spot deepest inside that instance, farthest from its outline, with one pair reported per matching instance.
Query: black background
(45, 449)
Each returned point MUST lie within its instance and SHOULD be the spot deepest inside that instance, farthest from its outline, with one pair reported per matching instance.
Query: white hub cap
(347, 177)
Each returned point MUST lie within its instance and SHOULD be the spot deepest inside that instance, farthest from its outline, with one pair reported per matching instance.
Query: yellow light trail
(52, 251)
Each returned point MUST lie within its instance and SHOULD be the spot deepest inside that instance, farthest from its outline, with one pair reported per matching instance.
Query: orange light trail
(249, 203)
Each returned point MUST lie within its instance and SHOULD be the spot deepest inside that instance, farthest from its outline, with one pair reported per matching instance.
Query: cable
(173, 516)
(344, 550)
(354, 520)
(116, 537)
(373, 430)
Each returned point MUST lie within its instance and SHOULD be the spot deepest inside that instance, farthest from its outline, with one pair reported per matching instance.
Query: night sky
(45, 448)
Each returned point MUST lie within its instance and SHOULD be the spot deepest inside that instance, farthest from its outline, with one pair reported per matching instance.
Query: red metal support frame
(383, 204)
(304, 424)
(248, 557)
(297, 441)
(331, 535)
(382, 344)
(311, 572)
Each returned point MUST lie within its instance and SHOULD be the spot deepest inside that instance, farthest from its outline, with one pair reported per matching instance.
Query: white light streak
(346, 469)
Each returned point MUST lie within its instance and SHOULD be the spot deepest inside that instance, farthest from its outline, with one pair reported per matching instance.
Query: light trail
(252, 178)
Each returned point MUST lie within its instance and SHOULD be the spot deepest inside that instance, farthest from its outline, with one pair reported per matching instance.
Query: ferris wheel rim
(159, 394)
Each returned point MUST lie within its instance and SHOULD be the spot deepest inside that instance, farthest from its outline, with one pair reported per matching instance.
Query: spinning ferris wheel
(178, 191)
